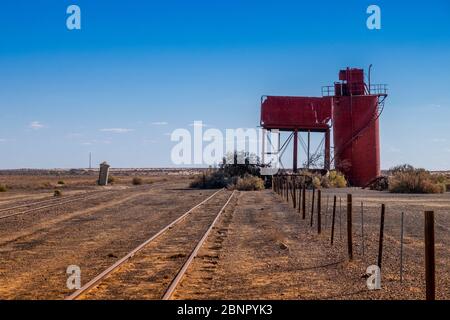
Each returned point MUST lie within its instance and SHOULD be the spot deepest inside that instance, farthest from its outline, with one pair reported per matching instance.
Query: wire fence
(407, 236)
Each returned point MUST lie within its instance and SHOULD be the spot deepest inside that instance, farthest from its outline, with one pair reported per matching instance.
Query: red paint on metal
(290, 113)
(356, 138)
(355, 123)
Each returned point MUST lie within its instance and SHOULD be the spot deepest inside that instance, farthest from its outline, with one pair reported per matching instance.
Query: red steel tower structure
(351, 108)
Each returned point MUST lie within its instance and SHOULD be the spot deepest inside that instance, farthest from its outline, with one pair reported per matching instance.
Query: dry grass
(250, 183)
(407, 179)
(47, 182)
(334, 179)
(337, 180)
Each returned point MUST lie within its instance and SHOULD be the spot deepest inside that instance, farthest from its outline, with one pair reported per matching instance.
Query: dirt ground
(266, 250)
(261, 247)
(36, 248)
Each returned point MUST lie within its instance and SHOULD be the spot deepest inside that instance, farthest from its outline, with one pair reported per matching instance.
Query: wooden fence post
(401, 247)
(349, 227)
(304, 202)
(294, 194)
(319, 209)
(287, 190)
(362, 227)
(312, 206)
(380, 244)
(340, 218)
(333, 220)
(430, 256)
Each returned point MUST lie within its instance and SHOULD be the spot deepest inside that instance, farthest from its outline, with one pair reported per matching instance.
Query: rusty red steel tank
(353, 107)
(356, 127)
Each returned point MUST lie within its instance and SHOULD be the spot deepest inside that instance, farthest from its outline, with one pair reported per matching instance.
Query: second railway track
(51, 203)
(46, 204)
(154, 269)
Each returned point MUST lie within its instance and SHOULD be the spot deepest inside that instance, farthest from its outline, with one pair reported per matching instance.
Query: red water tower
(356, 111)
(351, 107)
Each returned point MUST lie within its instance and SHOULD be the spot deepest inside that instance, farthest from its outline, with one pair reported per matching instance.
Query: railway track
(46, 200)
(155, 268)
(46, 204)
(50, 203)
(54, 202)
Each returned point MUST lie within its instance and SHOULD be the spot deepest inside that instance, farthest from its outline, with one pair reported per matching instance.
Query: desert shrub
(337, 180)
(57, 193)
(237, 166)
(411, 180)
(61, 182)
(137, 181)
(250, 183)
(3, 188)
(111, 179)
(214, 180)
(430, 187)
(334, 179)
(325, 182)
(379, 184)
(240, 164)
(401, 168)
(316, 182)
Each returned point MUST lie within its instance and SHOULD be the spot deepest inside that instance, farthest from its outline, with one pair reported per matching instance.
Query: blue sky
(144, 68)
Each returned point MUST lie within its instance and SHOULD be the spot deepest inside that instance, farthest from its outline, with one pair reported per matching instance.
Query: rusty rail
(53, 199)
(58, 203)
(124, 259)
(169, 292)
